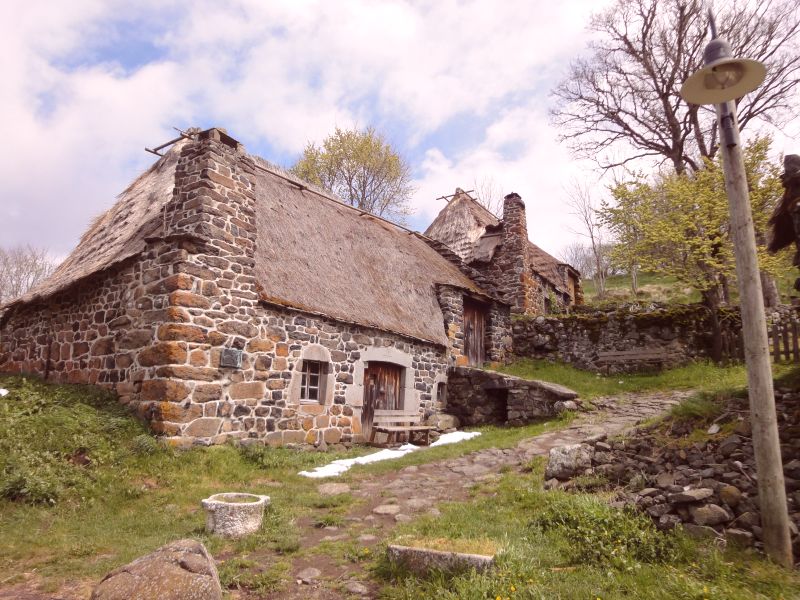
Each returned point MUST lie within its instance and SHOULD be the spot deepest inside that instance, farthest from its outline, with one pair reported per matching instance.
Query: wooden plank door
(381, 391)
(474, 332)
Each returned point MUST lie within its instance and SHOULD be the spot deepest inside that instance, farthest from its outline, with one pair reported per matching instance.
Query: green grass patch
(559, 545)
(86, 488)
(700, 375)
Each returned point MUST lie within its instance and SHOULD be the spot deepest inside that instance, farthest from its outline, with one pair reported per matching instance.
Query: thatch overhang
(118, 234)
(317, 254)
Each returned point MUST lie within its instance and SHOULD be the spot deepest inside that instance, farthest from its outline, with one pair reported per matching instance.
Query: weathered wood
(766, 443)
(395, 422)
(640, 356)
(381, 392)
(786, 349)
(776, 345)
(474, 332)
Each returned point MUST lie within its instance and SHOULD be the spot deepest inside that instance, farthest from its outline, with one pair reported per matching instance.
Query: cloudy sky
(461, 88)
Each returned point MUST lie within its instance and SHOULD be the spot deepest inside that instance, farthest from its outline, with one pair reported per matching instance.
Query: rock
(730, 495)
(401, 518)
(386, 509)
(739, 537)
(690, 495)
(658, 510)
(668, 521)
(649, 492)
(699, 532)
(308, 575)
(565, 461)
(182, 570)
(333, 489)
(422, 561)
(565, 405)
(729, 444)
(354, 587)
(749, 519)
(443, 422)
(367, 539)
(665, 479)
(710, 514)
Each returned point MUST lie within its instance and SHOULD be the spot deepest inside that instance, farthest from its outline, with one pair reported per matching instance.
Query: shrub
(601, 535)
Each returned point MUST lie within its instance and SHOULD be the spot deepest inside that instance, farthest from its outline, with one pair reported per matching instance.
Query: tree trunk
(769, 290)
(726, 289)
(634, 280)
(711, 301)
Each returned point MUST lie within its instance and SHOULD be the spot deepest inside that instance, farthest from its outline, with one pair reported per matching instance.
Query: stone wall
(577, 338)
(478, 397)
(161, 328)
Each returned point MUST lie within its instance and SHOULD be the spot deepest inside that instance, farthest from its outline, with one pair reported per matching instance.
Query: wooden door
(381, 391)
(474, 332)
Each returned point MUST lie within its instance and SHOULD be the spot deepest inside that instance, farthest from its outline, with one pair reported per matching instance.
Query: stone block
(282, 349)
(294, 436)
(188, 299)
(260, 345)
(163, 353)
(249, 389)
(332, 435)
(238, 328)
(203, 427)
(566, 461)
(103, 347)
(176, 413)
(164, 389)
(186, 372)
(177, 571)
(182, 332)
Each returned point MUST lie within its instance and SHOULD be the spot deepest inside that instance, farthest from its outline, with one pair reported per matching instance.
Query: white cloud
(78, 114)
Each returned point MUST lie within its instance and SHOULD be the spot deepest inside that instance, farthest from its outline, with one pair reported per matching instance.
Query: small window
(312, 384)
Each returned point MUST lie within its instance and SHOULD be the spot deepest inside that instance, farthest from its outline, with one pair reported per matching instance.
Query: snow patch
(338, 467)
(3, 392)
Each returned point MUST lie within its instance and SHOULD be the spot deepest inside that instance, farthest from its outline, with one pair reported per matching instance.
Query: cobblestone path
(400, 496)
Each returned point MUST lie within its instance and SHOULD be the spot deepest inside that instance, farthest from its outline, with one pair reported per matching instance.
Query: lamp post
(720, 82)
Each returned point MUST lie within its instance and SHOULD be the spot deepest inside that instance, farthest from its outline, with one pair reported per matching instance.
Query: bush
(601, 535)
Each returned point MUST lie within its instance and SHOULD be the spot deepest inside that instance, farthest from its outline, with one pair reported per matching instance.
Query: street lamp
(721, 81)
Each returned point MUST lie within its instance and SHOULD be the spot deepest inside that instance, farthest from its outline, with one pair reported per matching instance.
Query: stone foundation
(478, 397)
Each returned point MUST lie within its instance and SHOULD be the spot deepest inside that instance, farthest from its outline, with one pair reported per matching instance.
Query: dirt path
(400, 496)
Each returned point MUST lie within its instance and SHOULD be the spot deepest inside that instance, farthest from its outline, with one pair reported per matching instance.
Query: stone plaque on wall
(231, 357)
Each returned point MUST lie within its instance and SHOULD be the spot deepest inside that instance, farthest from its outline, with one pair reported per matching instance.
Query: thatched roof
(119, 233)
(474, 234)
(460, 224)
(313, 253)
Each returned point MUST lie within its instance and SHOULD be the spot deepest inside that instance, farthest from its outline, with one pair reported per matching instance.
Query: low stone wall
(478, 397)
(682, 330)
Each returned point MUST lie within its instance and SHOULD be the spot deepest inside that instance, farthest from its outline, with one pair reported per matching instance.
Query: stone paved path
(402, 495)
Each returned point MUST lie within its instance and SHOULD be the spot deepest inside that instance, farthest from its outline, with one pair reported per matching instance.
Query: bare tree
(624, 96)
(579, 256)
(582, 206)
(489, 195)
(21, 267)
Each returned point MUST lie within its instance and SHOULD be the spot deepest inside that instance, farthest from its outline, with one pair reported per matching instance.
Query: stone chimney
(515, 271)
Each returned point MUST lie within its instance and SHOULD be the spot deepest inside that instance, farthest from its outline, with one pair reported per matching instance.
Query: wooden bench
(395, 422)
(641, 357)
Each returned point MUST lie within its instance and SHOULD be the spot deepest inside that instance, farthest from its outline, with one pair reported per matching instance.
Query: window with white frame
(312, 382)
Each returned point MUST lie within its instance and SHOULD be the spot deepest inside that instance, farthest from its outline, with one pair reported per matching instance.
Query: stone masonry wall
(577, 338)
(478, 397)
(155, 328)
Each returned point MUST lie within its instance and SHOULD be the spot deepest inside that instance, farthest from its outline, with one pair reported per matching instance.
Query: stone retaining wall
(478, 397)
(682, 330)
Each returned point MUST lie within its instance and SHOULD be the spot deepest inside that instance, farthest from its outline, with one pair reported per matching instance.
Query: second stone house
(221, 298)
(502, 258)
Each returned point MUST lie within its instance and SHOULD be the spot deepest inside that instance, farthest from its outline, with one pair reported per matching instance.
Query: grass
(563, 546)
(85, 488)
(701, 376)
(654, 287)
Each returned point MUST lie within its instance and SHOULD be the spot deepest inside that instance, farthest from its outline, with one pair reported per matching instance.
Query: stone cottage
(222, 298)
(504, 260)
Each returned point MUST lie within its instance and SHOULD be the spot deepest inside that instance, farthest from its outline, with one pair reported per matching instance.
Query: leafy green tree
(362, 168)
(678, 224)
